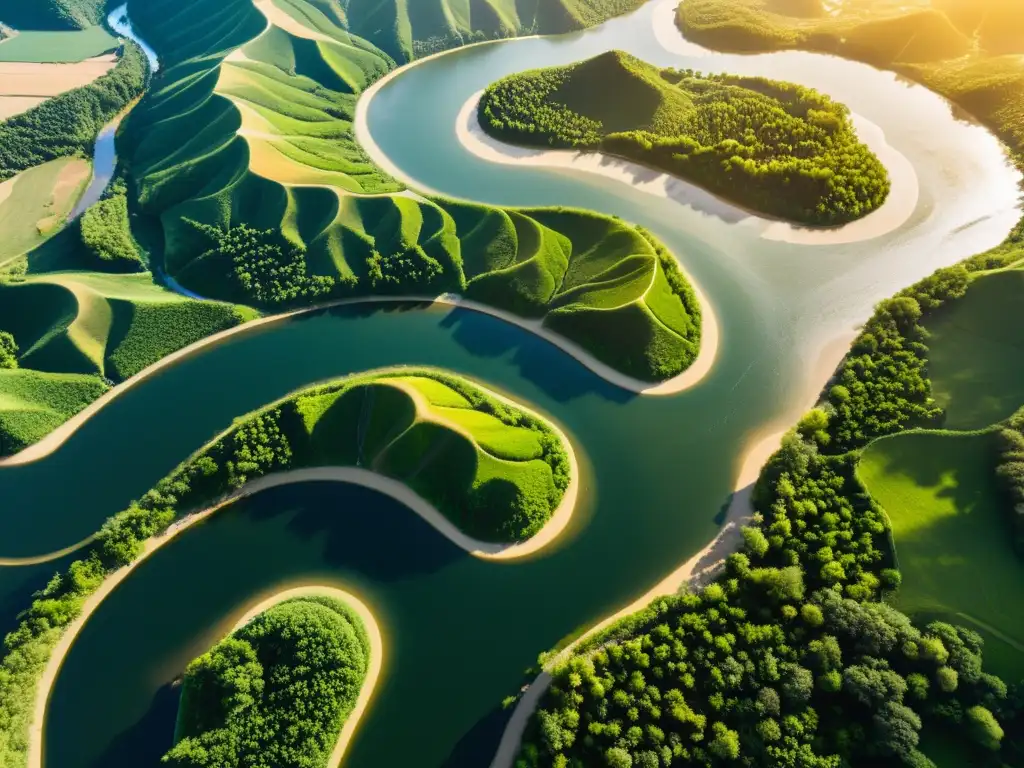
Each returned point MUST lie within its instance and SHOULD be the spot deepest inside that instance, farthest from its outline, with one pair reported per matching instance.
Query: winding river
(657, 471)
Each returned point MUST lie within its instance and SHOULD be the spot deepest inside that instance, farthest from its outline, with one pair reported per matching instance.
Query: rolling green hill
(52, 14)
(275, 171)
(732, 135)
(79, 332)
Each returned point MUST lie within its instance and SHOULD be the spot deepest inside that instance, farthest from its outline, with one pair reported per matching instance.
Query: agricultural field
(35, 204)
(731, 135)
(40, 46)
(950, 525)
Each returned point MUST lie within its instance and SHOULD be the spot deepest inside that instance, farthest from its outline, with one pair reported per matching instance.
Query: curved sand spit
(893, 213)
(396, 490)
(35, 736)
(703, 565)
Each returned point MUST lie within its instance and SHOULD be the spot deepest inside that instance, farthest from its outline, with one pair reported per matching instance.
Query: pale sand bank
(893, 213)
(703, 565)
(392, 488)
(373, 630)
(689, 378)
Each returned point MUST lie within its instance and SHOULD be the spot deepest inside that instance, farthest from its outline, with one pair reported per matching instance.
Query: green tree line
(68, 124)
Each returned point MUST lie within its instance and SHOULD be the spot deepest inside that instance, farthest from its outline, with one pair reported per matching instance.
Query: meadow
(975, 356)
(57, 47)
(950, 527)
(732, 135)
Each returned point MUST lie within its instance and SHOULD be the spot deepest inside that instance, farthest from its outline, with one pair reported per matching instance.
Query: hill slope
(733, 135)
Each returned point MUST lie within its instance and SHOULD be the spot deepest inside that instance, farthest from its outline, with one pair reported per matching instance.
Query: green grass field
(46, 46)
(33, 404)
(35, 204)
(976, 354)
(107, 325)
(951, 537)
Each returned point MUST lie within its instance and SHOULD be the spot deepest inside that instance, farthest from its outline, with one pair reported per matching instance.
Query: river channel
(459, 632)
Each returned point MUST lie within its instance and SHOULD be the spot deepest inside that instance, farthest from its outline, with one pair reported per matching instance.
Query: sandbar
(897, 209)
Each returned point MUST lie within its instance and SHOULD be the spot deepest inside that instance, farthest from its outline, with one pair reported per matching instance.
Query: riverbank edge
(704, 564)
(700, 367)
(373, 631)
(552, 530)
(896, 211)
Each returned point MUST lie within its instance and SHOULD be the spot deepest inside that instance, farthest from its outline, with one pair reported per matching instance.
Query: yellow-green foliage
(33, 404)
(105, 232)
(872, 30)
(733, 135)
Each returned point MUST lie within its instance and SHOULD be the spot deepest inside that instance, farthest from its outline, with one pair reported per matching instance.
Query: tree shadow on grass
(355, 523)
(142, 745)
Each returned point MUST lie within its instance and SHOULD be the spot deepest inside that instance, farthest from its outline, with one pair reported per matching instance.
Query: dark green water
(459, 632)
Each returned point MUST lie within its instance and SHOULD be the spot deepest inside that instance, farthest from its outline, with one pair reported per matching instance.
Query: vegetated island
(777, 148)
(277, 691)
(493, 470)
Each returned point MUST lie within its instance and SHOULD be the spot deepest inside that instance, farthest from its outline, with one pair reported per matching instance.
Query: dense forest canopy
(778, 148)
(275, 692)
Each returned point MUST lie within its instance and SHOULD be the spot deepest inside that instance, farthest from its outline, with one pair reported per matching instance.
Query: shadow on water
(489, 337)
(148, 740)
(337, 513)
(476, 747)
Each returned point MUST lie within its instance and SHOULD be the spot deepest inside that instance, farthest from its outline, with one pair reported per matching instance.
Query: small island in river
(777, 148)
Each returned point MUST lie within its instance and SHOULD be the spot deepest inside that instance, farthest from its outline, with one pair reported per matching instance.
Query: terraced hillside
(732, 135)
(276, 170)
(76, 333)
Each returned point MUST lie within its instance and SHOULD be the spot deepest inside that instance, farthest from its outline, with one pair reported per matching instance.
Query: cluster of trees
(1009, 470)
(779, 148)
(8, 351)
(274, 439)
(753, 671)
(67, 125)
(276, 692)
(106, 233)
(269, 270)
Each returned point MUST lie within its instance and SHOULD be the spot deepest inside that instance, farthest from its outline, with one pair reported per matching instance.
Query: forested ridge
(275, 692)
(778, 148)
(1010, 472)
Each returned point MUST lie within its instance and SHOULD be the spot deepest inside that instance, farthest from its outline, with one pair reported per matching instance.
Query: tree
(617, 757)
(984, 728)
(726, 742)
(8, 351)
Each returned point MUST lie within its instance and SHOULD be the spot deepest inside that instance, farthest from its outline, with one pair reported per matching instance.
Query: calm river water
(460, 632)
